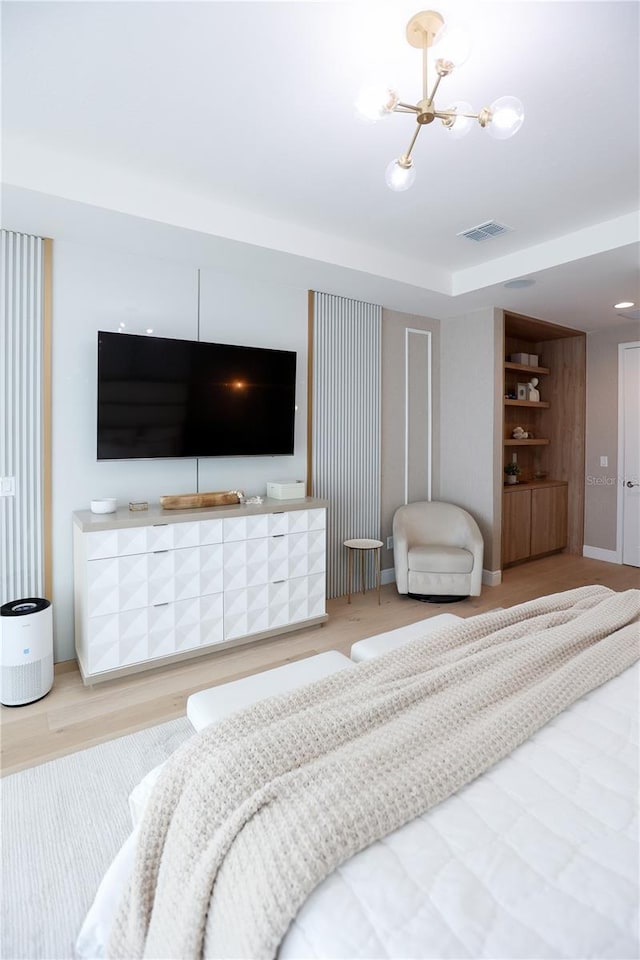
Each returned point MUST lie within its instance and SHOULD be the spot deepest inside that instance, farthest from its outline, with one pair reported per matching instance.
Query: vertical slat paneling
(346, 425)
(21, 440)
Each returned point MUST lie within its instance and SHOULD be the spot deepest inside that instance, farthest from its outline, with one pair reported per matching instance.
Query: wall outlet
(7, 486)
(389, 543)
(604, 461)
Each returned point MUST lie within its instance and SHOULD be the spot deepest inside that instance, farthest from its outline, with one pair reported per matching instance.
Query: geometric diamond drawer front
(187, 624)
(298, 554)
(278, 604)
(134, 629)
(132, 540)
(101, 544)
(298, 599)
(316, 551)
(298, 521)
(316, 595)
(211, 620)
(161, 579)
(102, 587)
(246, 611)
(186, 573)
(133, 577)
(160, 536)
(245, 563)
(246, 528)
(278, 523)
(186, 534)
(211, 568)
(278, 558)
(317, 519)
(210, 531)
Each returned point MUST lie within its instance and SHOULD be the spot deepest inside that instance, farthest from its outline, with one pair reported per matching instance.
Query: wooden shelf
(525, 443)
(527, 403)
(524, 367)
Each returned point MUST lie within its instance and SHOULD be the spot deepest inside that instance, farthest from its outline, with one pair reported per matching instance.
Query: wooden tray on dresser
(185, 501)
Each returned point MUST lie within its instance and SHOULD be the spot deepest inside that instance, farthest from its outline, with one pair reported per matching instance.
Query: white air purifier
(26, 651)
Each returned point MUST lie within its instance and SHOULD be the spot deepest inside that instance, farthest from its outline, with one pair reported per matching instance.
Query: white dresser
(162, 585)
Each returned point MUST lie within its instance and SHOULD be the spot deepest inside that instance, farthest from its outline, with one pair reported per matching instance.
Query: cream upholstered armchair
(437, 549)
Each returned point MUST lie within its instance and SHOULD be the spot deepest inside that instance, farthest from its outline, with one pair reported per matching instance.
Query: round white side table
(363, 546)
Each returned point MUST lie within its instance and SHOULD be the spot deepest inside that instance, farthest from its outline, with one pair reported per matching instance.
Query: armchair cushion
(440, 559)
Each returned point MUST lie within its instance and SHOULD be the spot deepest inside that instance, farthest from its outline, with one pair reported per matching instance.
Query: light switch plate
(604, 461)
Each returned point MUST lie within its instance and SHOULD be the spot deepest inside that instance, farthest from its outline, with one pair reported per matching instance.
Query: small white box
(533, 359)
(286, 489)
(520, 358)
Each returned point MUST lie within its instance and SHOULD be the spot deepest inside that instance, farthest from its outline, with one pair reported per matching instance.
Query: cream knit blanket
(251, 814)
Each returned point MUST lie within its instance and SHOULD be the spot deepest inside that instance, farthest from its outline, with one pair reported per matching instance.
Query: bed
(536, 857)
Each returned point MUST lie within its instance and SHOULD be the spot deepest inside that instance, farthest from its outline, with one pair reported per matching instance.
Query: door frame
(631, 345)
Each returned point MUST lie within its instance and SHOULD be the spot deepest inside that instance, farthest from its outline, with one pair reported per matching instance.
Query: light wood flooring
(73, 716)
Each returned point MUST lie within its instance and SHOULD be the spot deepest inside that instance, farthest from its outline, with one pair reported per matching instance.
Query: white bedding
(536, 858)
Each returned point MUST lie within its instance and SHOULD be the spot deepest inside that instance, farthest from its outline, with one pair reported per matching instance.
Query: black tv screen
(183, 398)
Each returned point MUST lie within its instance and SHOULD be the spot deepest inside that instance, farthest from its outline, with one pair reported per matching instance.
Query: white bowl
(107, 505)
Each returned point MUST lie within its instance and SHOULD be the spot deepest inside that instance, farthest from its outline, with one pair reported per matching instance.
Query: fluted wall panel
(346, 425)
(21, 416)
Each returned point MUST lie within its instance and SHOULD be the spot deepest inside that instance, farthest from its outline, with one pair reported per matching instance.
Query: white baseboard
(388, 576)
(492, 578)
(597, 553)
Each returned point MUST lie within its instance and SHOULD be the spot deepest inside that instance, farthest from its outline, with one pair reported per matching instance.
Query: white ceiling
(235, 121)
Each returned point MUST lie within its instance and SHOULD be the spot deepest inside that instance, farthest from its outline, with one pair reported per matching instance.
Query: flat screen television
(161, 398)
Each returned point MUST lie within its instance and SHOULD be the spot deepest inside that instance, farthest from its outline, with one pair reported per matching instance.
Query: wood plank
(564, 424)
(527, 403)
(532, 330)
(525, 443)
(548, 519)
(525, 368)
(516, 525)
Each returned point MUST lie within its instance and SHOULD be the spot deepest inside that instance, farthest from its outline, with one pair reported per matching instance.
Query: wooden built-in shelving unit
(557, 422)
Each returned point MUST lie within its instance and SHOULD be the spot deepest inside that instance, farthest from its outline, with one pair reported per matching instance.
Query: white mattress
(536, 858)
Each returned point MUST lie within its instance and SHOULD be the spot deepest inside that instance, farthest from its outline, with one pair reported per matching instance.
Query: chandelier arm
(435, 87)
(447, 114)
(425, 69)
(407, 106)
(403, 110)
(407, 155)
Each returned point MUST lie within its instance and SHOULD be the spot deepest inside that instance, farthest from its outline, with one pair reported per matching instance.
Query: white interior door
(630, 444)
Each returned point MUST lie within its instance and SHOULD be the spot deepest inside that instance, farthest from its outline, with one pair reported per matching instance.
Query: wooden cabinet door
(548, 519)
(516, 525)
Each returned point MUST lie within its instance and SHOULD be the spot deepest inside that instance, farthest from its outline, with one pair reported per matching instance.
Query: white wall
(95, 288)
(470, 410)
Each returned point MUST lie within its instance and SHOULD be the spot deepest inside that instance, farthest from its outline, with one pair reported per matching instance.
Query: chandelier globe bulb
(507, 116)
(375, 101)
(400, 174)
(452, 45)
(459, 126)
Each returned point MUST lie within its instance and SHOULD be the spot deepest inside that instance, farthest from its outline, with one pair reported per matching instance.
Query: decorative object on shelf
(519, 434)
(540, 475)
(253, 500)
(105, 505)
(534, 360)
(512, 471)
(451, 47)
(135, 505)
(534, 395)
(522, 358)
(522, 391)
(185, 501)
(510, 395)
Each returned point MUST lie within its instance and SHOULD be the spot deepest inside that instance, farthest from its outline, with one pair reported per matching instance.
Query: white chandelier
(450, 47)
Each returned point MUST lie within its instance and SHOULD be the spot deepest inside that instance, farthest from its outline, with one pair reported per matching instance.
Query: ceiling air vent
(485, 231)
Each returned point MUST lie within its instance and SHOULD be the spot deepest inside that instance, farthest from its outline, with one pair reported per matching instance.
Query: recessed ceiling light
(149, 329)
(623, 305)
(519, 283)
